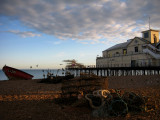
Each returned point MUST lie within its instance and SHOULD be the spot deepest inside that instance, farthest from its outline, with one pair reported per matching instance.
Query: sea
(37, 73)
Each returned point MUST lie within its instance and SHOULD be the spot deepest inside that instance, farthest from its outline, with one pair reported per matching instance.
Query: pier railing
(137, 65)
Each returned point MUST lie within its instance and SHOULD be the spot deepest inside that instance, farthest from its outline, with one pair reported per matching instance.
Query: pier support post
(97, 72)
(144, 72)
(101, 72)
(104, 72)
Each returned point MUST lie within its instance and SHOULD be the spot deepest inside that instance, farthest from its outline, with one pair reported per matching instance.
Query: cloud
(92, 20)
(55, 42)
(24, 34)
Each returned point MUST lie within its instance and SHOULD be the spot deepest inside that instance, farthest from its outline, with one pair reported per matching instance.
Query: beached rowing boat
(14, 74)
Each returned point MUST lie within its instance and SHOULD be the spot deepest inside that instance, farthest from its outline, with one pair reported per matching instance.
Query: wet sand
(29, 100)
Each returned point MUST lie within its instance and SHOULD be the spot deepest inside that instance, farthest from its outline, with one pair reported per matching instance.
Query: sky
(46, 32)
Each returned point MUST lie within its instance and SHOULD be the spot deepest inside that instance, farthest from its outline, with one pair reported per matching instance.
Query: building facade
(135, 52)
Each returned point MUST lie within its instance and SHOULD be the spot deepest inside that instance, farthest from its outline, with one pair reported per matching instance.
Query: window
(146, 35)
(155, 38)
(136, 49)
(124, 51)
(117, 52)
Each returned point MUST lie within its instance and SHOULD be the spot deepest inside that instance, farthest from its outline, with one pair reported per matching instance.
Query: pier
(116, 71)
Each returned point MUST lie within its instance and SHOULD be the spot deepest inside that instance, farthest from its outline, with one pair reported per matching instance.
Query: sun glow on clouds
(94, 19)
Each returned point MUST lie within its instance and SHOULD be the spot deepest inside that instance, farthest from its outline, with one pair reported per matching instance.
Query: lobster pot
(83, 85)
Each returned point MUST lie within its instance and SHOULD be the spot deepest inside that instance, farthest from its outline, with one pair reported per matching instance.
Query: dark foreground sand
(29, 100)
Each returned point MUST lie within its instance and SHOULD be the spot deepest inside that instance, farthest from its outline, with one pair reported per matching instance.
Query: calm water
(36, 73)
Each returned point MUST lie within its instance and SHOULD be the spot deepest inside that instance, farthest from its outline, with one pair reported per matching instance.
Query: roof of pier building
(125, 44)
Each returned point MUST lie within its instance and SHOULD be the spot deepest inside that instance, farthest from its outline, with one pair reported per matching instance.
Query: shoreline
(28, 99)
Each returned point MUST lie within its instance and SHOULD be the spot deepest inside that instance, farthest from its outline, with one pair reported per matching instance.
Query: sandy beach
(30, 100)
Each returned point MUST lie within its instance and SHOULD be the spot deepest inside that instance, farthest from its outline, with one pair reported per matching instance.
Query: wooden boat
(15, 74)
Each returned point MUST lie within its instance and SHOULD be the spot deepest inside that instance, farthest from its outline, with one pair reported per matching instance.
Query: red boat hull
(15, 74)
